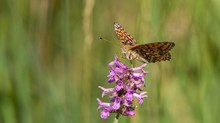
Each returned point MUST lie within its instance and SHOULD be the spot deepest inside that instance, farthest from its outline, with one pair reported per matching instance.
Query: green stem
(132, 63)
(116, 118)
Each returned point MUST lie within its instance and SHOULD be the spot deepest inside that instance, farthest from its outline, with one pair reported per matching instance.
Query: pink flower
(128, 87)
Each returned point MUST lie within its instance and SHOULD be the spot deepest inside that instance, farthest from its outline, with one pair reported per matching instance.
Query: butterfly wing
(154, 52)
(123, 36)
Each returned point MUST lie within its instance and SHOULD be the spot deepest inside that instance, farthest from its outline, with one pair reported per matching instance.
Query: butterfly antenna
(111, 42)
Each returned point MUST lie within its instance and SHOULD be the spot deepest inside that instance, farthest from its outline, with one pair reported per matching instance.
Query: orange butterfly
(147, 53)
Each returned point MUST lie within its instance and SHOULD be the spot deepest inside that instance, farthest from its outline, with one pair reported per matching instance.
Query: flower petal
(104, 114)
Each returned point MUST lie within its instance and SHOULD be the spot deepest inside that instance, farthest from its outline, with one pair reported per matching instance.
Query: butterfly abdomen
(130, 55)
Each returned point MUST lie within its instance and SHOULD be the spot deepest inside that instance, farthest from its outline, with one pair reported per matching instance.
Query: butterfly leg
(123, 57)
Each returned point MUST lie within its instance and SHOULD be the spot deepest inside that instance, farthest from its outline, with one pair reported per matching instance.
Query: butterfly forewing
(123, 36)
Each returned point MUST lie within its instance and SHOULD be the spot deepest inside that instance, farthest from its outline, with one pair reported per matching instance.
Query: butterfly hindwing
(154, 52)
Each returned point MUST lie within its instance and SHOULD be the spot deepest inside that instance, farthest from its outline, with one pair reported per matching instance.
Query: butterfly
(147, 53)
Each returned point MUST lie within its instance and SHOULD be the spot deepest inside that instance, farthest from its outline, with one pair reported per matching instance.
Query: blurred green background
(52, 60)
